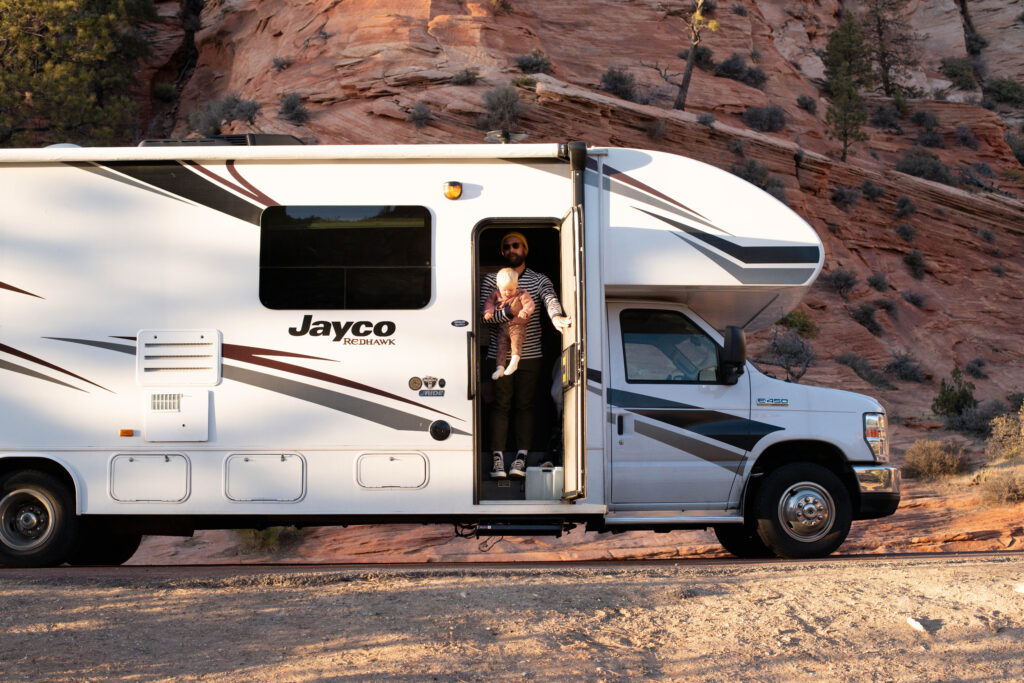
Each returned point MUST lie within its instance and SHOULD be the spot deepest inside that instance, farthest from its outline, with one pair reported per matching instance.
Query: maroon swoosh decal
(249, 186)
(251, 354)
(4, 285)
(623, 178)
(252, 193)
(21, 354)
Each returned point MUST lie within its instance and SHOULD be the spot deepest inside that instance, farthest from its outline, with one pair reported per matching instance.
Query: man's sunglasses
(510, 245)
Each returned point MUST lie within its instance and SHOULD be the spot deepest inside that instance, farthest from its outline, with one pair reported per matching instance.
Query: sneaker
(498, 471)
(518, 468)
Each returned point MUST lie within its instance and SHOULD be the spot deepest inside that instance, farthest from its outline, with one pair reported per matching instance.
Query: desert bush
(864, 370)
(801, 322)
(833, 228)
(751, 171)
(904, 366)
(905, 207)
(930, 138)
(913, 298)
(735, 67)
(524, 81)
(878, 282)
(292, 109)
(466, 77)
(987, 235)
(886, 117)
(906, 231)
(973, 368)
(954, 396)
(1016, 143)
(845, 197)
(1001, 487)
(842, 280)
(1005, 90)
(755, 77)
(865, 315)
(807, 103)
(975, 42)
(960, 71)
(620, 83)
(965, 137)
(1016, 400)
(998, 270)
(915, 261)
(770, 119)
(739, 10)
(503, 108)
(887, 305)
(268, 540)
(1006, 441)
(210, 119)
(976, 420)
(919, 162)
(420, 115)
(870, 190)
(776, 187)
(983, 169)
(656, 129)
(790, 352)
(928, 459)
(755, 56)
(925, 119)
(737, 147)
(534, 63)
(704, 56)
(501, 6)
(165, 92)
(706, 119)
(279, 64)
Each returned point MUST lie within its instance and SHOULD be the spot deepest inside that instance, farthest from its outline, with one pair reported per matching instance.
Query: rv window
(352, 257)
(665, 346)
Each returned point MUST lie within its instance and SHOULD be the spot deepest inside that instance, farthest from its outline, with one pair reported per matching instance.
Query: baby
(512, 333)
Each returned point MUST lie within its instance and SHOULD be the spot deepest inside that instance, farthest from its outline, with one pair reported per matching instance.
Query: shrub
(965, 137)
(870, 190)
(292, 109)
(998, 270)
(975, 43)
(751, 171)
(534, 63)
(789, 352)
(503, 108)
(983, 169)
(776, 187)
(739, 10)
(755, 56)
(1002, 487)
(960, 71)
(279, 64)
(620, 83)
(770, 119)
(268, 540)
(807, 103)
(501, 6)
(842, 280)
(927, 459)
(906, 231)
(913, 298)
(1016, 143)
(905, 207)
(864, 370)
(217, 113)
(165, 92)
(1016, 400)
(706, 119)
(704, 56)
(974, 368)
(925, 119)
(886, 116)
(755, 77)
(954, 396)
(878, 282)
(919, 162)
(976, 420)
(845, 197)
(887, 305)
(833, 228)
(524, 81)
(735, 67)
(1005, 90)
(656, 129)
(466, 77)
(709, 6)
(915, 261)
(865, 315)
(903, 366)
(1007, 439)
(420, 115)
(930, 138)
(801, 322)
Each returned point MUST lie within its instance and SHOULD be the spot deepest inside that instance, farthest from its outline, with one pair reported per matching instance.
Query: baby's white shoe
(498, 373)
(513, 363)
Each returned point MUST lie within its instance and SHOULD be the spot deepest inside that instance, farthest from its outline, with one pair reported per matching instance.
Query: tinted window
(345, 257)
(666, 346)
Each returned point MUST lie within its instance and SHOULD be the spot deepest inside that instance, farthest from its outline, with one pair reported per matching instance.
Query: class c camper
(236, 336)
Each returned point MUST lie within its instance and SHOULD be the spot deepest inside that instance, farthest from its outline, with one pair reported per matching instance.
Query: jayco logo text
(364, 332)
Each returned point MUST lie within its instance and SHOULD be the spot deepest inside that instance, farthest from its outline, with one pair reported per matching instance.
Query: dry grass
(1002, 486)
(928, 459)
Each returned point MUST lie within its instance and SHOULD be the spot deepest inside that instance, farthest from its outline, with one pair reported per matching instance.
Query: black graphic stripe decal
(12, 288)
(4, 365)
(727, 459)
(593, 375)
(110, 175)
(623, 178)
(39, 361)
(628, 399)
(738, 432)
(173, 177)
(754, 276)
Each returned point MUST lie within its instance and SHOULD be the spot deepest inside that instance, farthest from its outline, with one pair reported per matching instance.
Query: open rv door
(574, 357)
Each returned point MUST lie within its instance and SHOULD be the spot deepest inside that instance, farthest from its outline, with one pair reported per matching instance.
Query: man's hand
(562, 322)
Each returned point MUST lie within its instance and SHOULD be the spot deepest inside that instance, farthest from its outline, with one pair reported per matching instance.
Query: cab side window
(666, 347)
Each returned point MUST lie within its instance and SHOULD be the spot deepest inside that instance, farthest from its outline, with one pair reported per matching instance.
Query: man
(517, 390)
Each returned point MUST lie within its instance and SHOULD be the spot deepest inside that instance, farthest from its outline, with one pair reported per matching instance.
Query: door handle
(620, 421)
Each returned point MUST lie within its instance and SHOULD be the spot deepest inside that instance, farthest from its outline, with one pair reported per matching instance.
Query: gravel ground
(950, 617)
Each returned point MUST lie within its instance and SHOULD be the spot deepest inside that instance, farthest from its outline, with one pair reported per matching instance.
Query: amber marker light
(126, 432)
(453, 189)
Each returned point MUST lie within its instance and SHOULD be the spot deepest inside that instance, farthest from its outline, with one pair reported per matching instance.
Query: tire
(38, 525)
(98, 545)
(742, 541)
(803, 510)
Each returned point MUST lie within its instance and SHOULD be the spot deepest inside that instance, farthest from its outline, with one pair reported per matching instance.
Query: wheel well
(53, 468)
(818, 452)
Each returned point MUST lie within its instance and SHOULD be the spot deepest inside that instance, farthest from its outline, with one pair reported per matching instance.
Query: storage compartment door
(574, 357)
(149, 478)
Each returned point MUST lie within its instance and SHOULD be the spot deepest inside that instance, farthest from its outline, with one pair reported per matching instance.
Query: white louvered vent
(165, 403)
(173, 358)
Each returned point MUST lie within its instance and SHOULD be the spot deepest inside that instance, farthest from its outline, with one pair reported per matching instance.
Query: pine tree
(847, 70)
(66, 69)
(894, 45)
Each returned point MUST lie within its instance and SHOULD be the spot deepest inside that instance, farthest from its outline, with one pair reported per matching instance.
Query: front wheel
(37, 520)
(803, 510)
(742, 541)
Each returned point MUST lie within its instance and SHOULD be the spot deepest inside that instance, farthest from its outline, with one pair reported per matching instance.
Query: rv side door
(573, 355)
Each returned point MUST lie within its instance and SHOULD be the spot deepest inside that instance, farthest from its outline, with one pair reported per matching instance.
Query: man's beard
(514, 259)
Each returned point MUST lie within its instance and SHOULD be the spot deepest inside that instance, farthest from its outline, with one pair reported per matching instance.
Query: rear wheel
(803, 510)
(100, 545)
(37, 520)
(742, 541)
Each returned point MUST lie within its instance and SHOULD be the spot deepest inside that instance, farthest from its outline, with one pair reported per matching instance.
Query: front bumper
(879, 490)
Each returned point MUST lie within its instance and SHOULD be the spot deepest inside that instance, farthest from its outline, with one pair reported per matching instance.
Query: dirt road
(712, 619)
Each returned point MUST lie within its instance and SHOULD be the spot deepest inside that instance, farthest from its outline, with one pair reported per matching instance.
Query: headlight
(876, 433)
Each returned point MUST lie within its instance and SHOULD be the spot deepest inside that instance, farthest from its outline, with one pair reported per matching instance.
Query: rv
(204, 334)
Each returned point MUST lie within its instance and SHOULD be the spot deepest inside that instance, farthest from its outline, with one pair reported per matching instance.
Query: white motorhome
(236, 336)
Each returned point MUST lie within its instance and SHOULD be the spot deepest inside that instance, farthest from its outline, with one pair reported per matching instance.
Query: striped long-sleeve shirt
(542, 291)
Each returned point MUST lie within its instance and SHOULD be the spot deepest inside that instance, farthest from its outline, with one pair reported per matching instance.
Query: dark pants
(515, 392)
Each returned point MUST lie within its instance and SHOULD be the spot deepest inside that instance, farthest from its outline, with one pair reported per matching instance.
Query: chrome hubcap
(25, 520)
(806, 511)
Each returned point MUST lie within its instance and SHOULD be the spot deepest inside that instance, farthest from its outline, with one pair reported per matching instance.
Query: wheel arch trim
(11, 462)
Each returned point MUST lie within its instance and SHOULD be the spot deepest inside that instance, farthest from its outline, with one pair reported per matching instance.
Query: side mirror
(734, 356)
